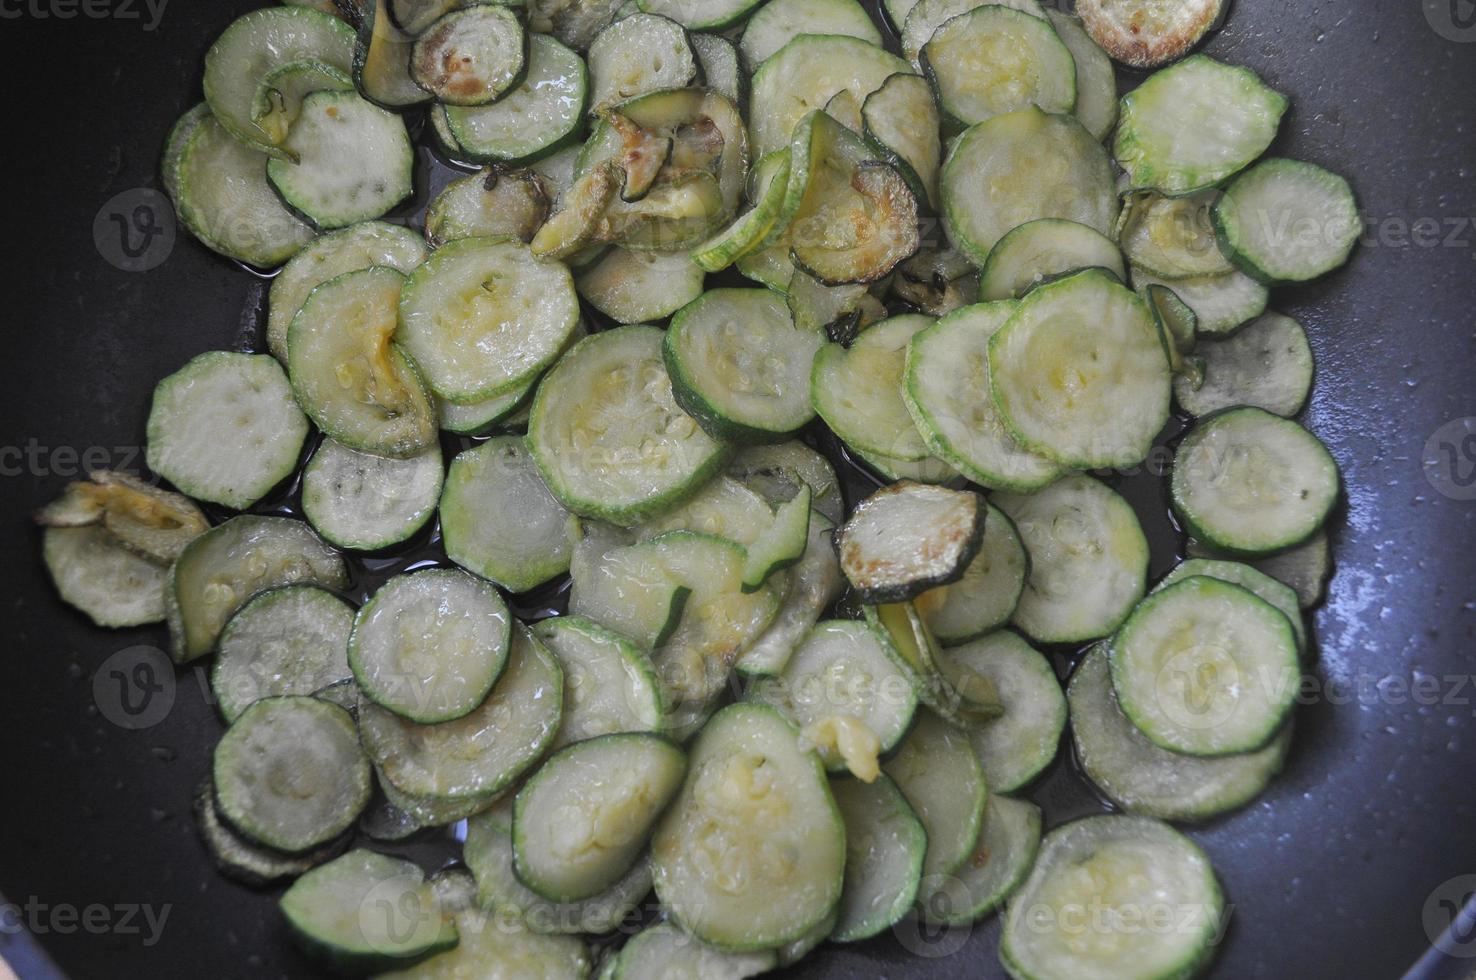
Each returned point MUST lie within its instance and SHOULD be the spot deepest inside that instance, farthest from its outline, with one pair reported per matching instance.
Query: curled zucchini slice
(1171, 237)
(814, 584)
(901, 118)
(1149, 33)
(382, 56)
(154, 523)
(908, 538)
(279, 97)
(752, 229)
(471, 56)
(1220, 303)
(777, 473)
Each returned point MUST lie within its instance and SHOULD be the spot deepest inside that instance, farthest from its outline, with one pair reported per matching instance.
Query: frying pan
(1347, 866)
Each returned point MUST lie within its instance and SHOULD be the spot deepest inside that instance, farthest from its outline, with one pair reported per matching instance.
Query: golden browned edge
(1123, 42)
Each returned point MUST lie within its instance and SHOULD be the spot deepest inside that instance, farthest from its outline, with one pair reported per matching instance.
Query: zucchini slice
(382, 57)
(623, 588)
(228, 564)
(771, 266)
(279, 97)
(994, 60)
(908, 538)
(1096, 80)
(640, 287)
(498, 202)
(481, 418)
(540, 115)
(776, 23)
(1142, 778)
(610, 685)
(946, 389)
(724, 507)
(923, 20)
(807, 73)
(781, 544)
(483, 316)
(95, 572)
(1171, 237)
(470, 56)
(885, 844)
(1007, 848)
(1206, 668)
(292, 640)
(289, 773)
(858, 391)
(224, 428)
(1088, 559)
(154, 523)
(373, 243)
(1220, 303)
(429, 645)
(1017, 746)
(986, 596)
(348, 373)
(608, 435)
(778, 472)
(814, 583)
(1078, 373)
(1265, 214)
(740, 366)
(1124, 867)
(252, 47)
(1178, 331)
(581, 821)
(1045, 249)
(363, 502)
(639, 54)
(702, 15)
(1266, 364)
(474, 758)
(1149, 33)
(495, 946)
(901, 118)
(365, 912)
(1305, 568)
(751, 855)
(846, 696)
(499, 521)
(749, 232)
(842, 310)
(929, 469)
(1257, 582)
(996, 177)
(663, 950)
(717, 59)
(1250, 483)
(1194, 124)
(938, 773)
(247, 861)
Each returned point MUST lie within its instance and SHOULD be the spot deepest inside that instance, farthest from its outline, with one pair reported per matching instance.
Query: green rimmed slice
(640, 287)
(541, 115)
(1220, 303)
(908, 538)
(814, 583)
(938, 773)
(610, 685)
(1096, 80)
(496, 202)
(901, 119)
(922, 20)
(885, 844)
(858, 390)
(1044, 249)
(1285, 221)
(1253, 580)
(291, 640)
(1171, 237)
(994, 59)
(805, 74)
(773, 25)
(986, 596)
(1007, 848)
(112, 584)
(750, 230)
(279, 97)
(1266, 364)
(365, 502)
(471, 56)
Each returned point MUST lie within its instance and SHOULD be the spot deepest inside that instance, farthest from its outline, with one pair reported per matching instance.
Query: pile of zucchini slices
(795, 718)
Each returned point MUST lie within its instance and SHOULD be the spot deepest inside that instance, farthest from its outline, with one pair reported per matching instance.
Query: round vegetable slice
(1266, 364)
(986, 596)
(1148, 33)
(994, 60)
(998, 866)
(1044, 249)
(938, 772)
(95, 572)
(885, 844)
(609, 683)
(663, 950)
(291, 640)
(366, 502)
(1286, 221)
(908, 538)
(470, 56)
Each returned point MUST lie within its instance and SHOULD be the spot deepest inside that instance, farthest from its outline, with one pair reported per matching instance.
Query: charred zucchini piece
(471, 56)
(908, 538)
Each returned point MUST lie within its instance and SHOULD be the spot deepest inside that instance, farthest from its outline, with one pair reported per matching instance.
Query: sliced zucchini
(777, 472)
(483, 316)
(1194, 124)
(157, 524)
(222, 196)
(1079, 375)
(429, 645)
(382, 58)
(781, 544)
(575, 24)
(1266, 364)
(500, 947)
(497, 202)
(749, 232)
(751, 855)
(1149, 33)
(365, 912)
(1096, 81)
(946, 390)
(608, 435)
(480, 418)
(663, 950)
(1257, 582)
(994, 60)
(848, 699)
(937, 281)
(224, 428)
(472, 759)
(1171, 237)
(640, 287)
(929, 469)
(639, 54)
(806, 73)
(471, 56)
(1017, 746)
(174, 146)
(986, 596)
(1139, 776)
(1178, 328)
(740, 366)
(842, 310)
(1007, 848)
(610, 685)
(1018, 167)
(432, 811)
(771, 266)
(292, 640)
(278, 101)
(897, 10)
(110, 582)
(724, 507)
(582, 820)
(858, 391)
(1285, 221)
(540, 115)
(1088, 559)
(252, 47)
(924, 19)
(1206, 668)
(1220, 303)
(908, 538)
(289, 773)
(373, 243)
(885, 844)
(938, 773)
(718, 60)
(1250, 483)
(222, 568)
(348, 373)
(814, 583)
(776, 23)
(702, 15)
(1305, 568)
(365, 502)
(901, 118)
(246, 861)
(623, 588)
(1045, 249)
(911, 645)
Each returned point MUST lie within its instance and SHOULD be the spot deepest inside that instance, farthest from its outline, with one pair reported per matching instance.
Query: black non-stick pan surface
(1346, 867)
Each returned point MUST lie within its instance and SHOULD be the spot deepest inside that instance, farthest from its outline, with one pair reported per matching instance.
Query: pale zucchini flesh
(1285, 221)
(924, 19)
(806, 73)
(908, 538)
(109, 582)
(1148, 33)
(1096, 80)
(539, 116)
(857, 391)
(1007, 848)
(1220, 303)
(640, 287)
(993, 60)
(937, 771)
(1044, 249)
(774, 24)
(639, 54)
(292, 640)
(664, 950)
(365, 502)
(885, 844)
(495, 202)
(986, 596)
(610, 685)
(1266, 364)
(814, 583)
